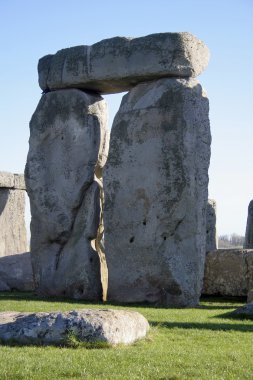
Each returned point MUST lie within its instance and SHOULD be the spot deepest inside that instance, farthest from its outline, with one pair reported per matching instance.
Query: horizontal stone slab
(86, 325)
(117, 64)
(228, 272)
(12, 181)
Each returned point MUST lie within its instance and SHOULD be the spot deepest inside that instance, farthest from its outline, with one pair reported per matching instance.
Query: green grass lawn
(200, 343)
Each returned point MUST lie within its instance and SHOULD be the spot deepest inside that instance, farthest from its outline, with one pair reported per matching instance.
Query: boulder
(248, 243)
(155, 184)
(117, 64)
(67, 145)
(228, 272)
(87, 325)
(13, 237)
(245, 312)
(16, 273)
(211, 232)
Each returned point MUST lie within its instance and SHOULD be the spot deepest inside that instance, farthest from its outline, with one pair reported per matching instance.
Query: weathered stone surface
(13, 237)
(211, 232)
(87, 325)
(67, 134)
(228, 272)
(12, 181)
(245, 311)
(155, 183)
(248, 243)
(250, 296)
(117, 64)
(6, 180)
(16, 272)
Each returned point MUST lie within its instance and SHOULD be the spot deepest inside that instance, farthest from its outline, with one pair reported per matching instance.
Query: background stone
(13, 237)
(248, 243)
(211, 232)
(16, 273)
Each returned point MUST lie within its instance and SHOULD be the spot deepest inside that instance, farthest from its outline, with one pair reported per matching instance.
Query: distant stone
(16, 273)
(228, 272)
(12, 181)
(67, 146)
(87, 325)
(6, 180)
(13, 237)
(248, 243)
(117, 64)
(245, 311)
(155, 184)
(19, 181)
(250, 296)
(211, 232)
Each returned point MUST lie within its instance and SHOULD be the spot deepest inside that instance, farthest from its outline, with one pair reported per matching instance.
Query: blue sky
(30, 29)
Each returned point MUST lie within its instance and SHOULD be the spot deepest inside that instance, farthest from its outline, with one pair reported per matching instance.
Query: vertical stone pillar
(211, 232)
(155, 182)
(13, 239)
(67, 147)
(248, 243)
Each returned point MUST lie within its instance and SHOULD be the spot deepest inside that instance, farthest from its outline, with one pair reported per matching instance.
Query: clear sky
(30, 29)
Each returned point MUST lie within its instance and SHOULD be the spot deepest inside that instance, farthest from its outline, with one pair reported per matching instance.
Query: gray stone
(66, 147)
(16, 273)
(245, 311)
(228, 272)
(155, 183)
(117, 64)
(6, 180)
(87, 325)
(250, 296)
(19, 181)
(13, 237)
(211, 232)
(248, 243)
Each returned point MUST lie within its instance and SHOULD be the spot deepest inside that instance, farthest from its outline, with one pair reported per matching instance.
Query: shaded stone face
(117, 64)
(13, 237)
(249, 228)
(67, 145)
(16, 273)
(155, 183)
(211, 232)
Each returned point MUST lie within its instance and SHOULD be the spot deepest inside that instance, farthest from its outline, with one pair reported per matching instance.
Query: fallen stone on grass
(245, 311)
(86, 325)
(16, 273)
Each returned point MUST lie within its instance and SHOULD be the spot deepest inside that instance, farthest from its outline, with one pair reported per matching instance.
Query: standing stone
(155, 183)
(13, 237)
(211, 232)
(249, 229)
(67, 146)
(117, 64)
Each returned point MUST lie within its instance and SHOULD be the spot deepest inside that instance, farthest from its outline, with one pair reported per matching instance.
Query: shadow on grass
(204, 326)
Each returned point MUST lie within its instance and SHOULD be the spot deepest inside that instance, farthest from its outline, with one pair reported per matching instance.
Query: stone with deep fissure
(67, 146)
(155, 183)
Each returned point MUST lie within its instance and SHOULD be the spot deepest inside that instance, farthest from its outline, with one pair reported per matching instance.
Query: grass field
(200, 343)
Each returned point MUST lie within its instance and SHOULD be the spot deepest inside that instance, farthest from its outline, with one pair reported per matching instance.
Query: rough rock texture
(211, 232)
(248, 243)
(117, 64)
(250, 296)
(245, 311)
(67, 145)
(13, 238)
(16, 272)
(88, 325)
(228, 272)
(12, 181)
(155, 183)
